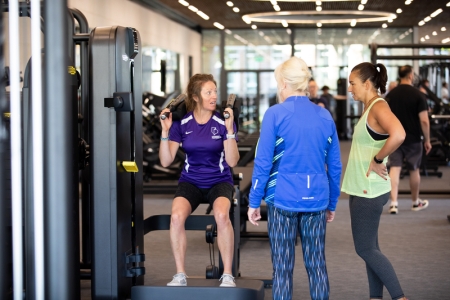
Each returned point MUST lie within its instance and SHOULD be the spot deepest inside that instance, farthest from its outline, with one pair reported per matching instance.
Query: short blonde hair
(295, 73)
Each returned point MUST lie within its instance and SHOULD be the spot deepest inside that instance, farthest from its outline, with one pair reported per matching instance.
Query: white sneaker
(393, 209)
(178, 280)
(422, 205)
(227, 280)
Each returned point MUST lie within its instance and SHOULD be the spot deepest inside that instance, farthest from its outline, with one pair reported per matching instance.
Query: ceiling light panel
(193, 8)
(203, 15)
(434, 14)
(218, 25)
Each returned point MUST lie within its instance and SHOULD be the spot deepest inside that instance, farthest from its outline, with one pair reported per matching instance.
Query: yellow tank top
(362, 151)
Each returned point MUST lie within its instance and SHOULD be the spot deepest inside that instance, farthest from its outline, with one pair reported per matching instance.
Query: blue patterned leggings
(283, 226)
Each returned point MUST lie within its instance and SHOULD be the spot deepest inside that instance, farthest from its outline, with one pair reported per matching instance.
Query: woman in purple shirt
(210, 146)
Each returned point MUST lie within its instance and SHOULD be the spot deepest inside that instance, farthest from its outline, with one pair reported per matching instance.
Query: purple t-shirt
(205, 164)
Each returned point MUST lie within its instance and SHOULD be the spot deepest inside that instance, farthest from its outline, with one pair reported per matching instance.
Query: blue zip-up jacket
(297, 164)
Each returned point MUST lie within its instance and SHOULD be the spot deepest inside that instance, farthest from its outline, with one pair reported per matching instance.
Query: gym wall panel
(155, 30)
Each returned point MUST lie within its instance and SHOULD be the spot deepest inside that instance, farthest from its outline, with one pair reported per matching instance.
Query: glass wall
(252, 55)
(156, 63)
(211, 55)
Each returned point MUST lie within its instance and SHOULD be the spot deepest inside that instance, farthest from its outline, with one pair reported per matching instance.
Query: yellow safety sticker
(72, 70)
(130, 166)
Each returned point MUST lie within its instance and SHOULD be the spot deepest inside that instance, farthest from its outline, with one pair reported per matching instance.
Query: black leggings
(365, 215)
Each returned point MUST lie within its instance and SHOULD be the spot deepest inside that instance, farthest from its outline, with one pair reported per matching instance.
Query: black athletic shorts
(196, 195)
(411, 154)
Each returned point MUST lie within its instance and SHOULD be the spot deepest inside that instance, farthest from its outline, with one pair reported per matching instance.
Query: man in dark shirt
(410, 107)
(313, 89)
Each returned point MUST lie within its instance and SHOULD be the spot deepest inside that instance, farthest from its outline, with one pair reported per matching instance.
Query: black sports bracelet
(376, 160)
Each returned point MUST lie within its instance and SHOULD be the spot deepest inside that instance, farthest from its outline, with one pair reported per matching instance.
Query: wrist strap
(378, 161)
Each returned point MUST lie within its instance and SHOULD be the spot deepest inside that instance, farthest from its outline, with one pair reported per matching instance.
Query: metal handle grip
(165, 115)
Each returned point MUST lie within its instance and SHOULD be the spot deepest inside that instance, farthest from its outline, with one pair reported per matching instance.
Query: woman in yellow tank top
(366, 180)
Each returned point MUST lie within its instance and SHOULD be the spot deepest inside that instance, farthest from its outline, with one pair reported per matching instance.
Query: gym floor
(416, 243)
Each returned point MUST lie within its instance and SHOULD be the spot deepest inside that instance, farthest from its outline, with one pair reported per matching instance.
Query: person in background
(377, 134)
(391, 86)
(330, 100)
(210, 146)
(297, 171)
(313, 90)
(410, 106)
(444, 92)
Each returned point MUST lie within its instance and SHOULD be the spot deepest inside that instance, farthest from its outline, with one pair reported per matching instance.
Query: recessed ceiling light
(426, 19)
(390, 20)
(422, 39)
(319, 8)
(218, 25)
(284, 23)
(363, 2)
(407, 2)
(446, 40)
(273, 2)
(235, 9)
(399, 10)
(193, 8)
(353, 23)
(427, 37)
(319, 24)
(318, 2)
(434, 33)
(360, 7)
(276, 7)
(230, 4)
(254, 26)
(443, 29)
(182, 2)
(384, 25)
(203, 15)
(448, 4)
(438, 11)
(421, 23)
